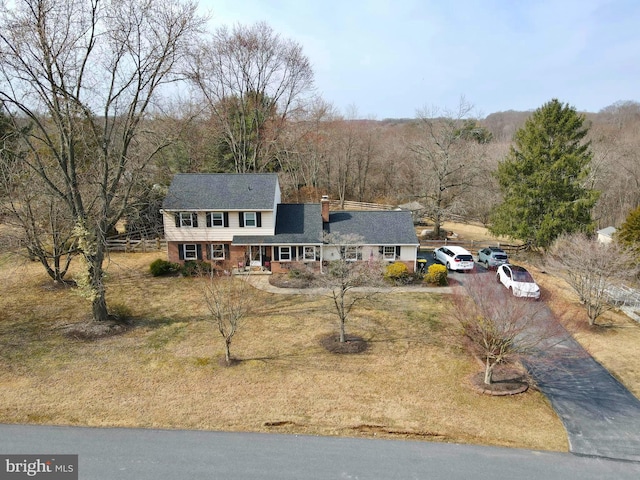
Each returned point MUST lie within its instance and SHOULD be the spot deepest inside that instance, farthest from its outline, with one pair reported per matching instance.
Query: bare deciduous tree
(84, 75)
(499, 327)
(591, 268)
(345, 272)
(251, 80)
(446, 160)
(302, 150)
(229, 302)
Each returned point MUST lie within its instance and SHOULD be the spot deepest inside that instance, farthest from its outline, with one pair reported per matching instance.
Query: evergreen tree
(543, 179)
(629, 232)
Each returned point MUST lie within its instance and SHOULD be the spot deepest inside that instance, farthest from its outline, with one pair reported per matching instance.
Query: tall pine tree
(629, 232)
(543, 179)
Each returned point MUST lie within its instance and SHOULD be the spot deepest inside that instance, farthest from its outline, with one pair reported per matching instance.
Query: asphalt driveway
(601, 417)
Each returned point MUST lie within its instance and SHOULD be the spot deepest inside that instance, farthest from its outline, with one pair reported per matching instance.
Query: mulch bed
(505, 381)
(284, 281)
(352, 344)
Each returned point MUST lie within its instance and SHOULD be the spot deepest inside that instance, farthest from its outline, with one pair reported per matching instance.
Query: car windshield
(499, 256)
(465, 258)
(522, 276)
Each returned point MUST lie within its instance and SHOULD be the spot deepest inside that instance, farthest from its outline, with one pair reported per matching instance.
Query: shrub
(161, 267)
(437, 274)
(397, 272)
(301, 271)
(193, 268)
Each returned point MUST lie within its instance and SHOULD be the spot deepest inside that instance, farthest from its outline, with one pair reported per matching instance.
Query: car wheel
(448, 266)
(498, 278)
(486, 264)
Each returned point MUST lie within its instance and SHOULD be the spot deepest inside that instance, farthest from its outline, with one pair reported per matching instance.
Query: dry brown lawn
(412, 382)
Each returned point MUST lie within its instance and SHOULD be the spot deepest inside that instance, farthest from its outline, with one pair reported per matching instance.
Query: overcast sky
(390, 58)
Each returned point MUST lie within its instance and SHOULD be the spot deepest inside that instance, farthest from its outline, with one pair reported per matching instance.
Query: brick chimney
(324, 203)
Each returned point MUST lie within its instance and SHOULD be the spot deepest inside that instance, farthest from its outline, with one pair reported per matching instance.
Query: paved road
(108, 454)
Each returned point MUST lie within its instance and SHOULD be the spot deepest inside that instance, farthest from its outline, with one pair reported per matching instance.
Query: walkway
(261, 282)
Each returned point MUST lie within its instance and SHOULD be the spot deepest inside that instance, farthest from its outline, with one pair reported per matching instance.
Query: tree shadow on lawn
(353, 344)
(89, 330)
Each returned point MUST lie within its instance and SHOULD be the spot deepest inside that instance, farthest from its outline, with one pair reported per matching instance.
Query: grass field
(411, 383)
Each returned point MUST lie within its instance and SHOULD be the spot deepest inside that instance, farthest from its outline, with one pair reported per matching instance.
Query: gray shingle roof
(391, 227)
(296, 223)
(221, 191)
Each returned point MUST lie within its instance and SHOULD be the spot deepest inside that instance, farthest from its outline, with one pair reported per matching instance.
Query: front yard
(411, 382)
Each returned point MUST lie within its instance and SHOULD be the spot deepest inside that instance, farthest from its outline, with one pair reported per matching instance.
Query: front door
(255, 255)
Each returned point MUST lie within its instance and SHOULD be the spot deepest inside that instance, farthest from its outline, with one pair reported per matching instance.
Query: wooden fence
(349, 205)
(138, 245)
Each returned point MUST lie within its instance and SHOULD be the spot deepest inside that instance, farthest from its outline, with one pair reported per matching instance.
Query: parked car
(518, 281)
(454, 258)
(492, 257)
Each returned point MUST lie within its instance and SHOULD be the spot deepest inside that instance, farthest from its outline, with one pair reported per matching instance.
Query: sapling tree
(346, 271)
(229, 302)
(500, 328)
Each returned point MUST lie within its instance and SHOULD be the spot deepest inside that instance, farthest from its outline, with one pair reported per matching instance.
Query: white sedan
(518, 281)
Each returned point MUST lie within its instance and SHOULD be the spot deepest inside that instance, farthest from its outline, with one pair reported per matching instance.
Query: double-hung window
(352, 254)
(309, 253)
(215, 219)
(190, 251)
(389, 253)
(250, 219)
(216, 252)
(186, 219)
(285, 254)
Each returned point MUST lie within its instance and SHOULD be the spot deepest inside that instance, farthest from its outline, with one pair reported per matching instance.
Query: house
(239, 219)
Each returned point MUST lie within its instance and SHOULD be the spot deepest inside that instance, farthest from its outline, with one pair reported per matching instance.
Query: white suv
(454, 258)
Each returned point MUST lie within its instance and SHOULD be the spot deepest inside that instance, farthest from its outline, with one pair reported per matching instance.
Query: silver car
(492, 257)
